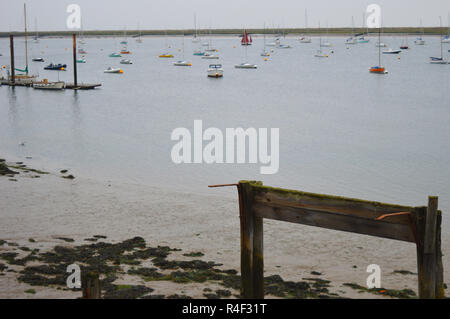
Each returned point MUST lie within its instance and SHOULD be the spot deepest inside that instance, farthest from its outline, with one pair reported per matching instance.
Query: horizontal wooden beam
(276, 197)
(371, 227)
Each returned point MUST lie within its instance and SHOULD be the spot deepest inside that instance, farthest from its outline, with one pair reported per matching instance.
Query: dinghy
(391, 51)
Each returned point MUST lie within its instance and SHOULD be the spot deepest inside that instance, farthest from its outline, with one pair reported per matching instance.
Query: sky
(51, 15)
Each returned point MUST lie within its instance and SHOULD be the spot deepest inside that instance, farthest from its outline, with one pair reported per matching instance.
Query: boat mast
(26, 38)
(379, 46)
(440, 29)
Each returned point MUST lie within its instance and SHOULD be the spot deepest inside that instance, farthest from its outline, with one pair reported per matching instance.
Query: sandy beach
(51, 207)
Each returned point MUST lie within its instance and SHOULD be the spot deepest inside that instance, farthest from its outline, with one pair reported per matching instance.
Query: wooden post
(75, 80)
(440, 290)
(90, 284)
(426, 249)
(11, 46)
(252, 256)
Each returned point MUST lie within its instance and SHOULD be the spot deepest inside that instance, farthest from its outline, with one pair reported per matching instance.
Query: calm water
(342, 130)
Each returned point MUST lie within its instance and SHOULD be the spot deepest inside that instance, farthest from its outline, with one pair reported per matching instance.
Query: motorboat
(115, 55)
(208, 56)
(113, 70)
(126, 61)
(57, 67)
(182, 63)
(37, 59)
(81, 60)
(391, 51)
(45, 85)
(215, 71)
(246, 66)
(166, 55)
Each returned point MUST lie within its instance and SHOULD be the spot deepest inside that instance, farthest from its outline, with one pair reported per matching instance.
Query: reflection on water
(342, 130)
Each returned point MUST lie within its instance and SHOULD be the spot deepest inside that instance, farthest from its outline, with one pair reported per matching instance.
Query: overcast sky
(178, 14)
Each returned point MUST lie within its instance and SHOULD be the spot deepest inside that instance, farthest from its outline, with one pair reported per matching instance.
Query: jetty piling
(90, 285)
(75, 82)
(11, 50)
(419, 225)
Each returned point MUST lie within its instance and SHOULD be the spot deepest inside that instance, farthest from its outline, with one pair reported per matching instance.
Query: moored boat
(215, 71)
(45, 85)
(57, 67)
(113, 70)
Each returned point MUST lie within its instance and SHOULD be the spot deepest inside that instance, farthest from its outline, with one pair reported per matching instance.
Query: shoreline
(49, 208)
(235, 32)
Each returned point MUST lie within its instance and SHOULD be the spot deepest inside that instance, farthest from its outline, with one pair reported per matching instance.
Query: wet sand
(49, 207)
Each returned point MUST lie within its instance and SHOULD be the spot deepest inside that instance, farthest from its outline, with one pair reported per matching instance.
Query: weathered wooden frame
(419, 225)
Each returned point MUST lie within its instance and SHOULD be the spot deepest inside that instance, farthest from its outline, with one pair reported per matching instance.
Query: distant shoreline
(235, 32)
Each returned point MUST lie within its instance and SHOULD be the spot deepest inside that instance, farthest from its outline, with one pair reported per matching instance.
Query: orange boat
(125, 52)
(378, 69)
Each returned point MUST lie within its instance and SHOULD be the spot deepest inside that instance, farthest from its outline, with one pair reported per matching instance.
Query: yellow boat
(166, 55)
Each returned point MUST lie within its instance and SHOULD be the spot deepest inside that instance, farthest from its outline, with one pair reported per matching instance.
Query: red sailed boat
(245, 39)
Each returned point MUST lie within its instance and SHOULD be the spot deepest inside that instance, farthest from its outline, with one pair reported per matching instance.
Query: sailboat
(405, 45)
(380, 44)
(440, 60)
(446, 39)
(166, 54)
(210, 48)
(361, 38)
(25, 76)
(420, 40)
(125, 44)
(196, 38)
(182, 62)
(124, 41)
(352, 39)
(264, 52)
(139, 39)
(319, 53)
(246, 65)
(326, 43)
(246, 40)
(379, 69)
(305, 38)
(36, 36)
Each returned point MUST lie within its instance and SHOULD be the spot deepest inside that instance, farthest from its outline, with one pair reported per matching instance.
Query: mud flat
(148, 242)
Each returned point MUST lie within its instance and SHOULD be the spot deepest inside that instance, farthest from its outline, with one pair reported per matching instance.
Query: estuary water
(343, 130)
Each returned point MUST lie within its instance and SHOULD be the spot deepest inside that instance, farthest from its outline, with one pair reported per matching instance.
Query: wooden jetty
(418, 225)
(26, 80)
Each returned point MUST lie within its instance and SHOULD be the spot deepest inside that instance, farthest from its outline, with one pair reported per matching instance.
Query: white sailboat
(304, 38)
(139, 39)
(326, 44)
(440, 60)
(446, 39)
(352, 39)
(196, 38)
(320, 53)
(264, 52)
(246, 65)
(182, 62)
(420, 40)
